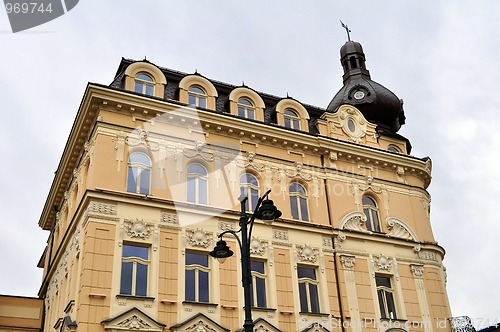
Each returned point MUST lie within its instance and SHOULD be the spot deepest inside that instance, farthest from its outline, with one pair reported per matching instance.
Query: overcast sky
(440, 57)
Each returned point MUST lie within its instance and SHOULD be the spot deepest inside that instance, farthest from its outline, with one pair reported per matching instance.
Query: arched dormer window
(197, 96)
(292, 114)
(197, 184)
(145, 84)
(139, 173)
(144, 77)
(250, 186)
(298, 202)
(246, 103)
(246, 109)
(292, 119)
(198, 91)
(371, 212)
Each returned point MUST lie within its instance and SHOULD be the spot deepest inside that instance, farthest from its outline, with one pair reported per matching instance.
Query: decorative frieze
(199, 150)
(169, 217)
(226, 226)
(417, 271)
(100, 207)
(280, 234)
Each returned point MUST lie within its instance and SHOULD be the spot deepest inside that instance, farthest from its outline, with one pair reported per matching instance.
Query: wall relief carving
(198, 238)
(137, 229)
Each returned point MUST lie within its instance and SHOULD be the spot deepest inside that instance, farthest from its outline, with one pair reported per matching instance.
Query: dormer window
(197, 96)
(144, 84)
(246, 109)
(292, 119)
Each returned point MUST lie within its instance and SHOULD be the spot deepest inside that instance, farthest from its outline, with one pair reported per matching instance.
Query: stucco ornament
(347, 262)
(199, 150)
(134, 323)
(306, 253)
(354, 221)
(257, 247)
(198, 238)
(417, 271)
(298, 172)
(382, 262)
(200, 326)
(251, 163)
(138, 229)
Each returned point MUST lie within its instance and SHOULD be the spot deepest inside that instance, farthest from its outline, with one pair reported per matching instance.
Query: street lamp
(267, 212)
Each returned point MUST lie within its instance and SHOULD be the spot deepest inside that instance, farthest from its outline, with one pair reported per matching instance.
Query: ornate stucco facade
(353, 250)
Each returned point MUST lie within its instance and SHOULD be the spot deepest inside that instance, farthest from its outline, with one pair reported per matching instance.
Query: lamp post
(267, 212)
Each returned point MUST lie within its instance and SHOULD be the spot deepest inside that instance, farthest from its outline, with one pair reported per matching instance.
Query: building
(151, 175)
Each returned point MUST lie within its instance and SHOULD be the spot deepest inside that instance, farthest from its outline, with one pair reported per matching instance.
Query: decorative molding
(169, 217)
(259, 167)
(199, 238)
(257, 246)
(199, 150)
(226, 225)
(298, 172)
(417, 271)
(428, 255)
(354, 221)
(99, 207)
(327, 241)
(134, 322)
(137, 229)
(382, 263)
(400, 229)
(306, 253)
(140, 137)
(280, 234)
(347, 262)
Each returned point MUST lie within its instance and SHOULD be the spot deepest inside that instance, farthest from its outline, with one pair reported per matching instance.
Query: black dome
(378, 104)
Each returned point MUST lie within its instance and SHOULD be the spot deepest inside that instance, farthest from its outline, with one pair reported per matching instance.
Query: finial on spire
(346, 29)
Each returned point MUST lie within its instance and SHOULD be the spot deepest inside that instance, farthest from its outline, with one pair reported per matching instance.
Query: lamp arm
(252, 219)
(233, 233)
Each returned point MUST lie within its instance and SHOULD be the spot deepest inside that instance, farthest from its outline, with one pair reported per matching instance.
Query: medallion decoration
(137, 229)
(306, 253)
(298, 172)
(382, 263)
(140, 137)
(198, 238)
(250, 163)
(257, 247)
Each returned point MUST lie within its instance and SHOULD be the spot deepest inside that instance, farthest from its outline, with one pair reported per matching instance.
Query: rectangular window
(134, 274)
(308, 289)
(258, 296)
(196, 277)
(385, 295)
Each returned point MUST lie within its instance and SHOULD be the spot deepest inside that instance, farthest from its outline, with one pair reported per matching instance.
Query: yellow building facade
(151, 175)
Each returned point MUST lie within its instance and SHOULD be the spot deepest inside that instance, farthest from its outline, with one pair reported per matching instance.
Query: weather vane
(346, 29)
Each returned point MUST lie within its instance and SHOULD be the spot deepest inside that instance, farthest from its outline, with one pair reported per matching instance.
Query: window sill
(401, 320)
(314, 313)
(134, 297)
(208, 304)
(264, 309)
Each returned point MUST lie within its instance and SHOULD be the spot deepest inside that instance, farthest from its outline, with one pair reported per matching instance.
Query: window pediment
(198, 322)
(132, 320)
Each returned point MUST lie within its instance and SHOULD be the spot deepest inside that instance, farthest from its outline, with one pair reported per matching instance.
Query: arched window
(197, 184)
(246, 109)
(393, 148)
(197, 96)
(250, 186)
(144, 84)
(139, 173)
(298, 202)
(371, 212)
(292, 119)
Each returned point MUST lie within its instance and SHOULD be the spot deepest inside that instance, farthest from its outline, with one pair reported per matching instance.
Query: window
(385, 295)
(134, 277)
(308, 289)
(298, 202)
(197, 184)
(251, 190)
(292, 119)
(144, 84)
(393, 148)
(258, 295)
(246, 109)
(197, 96)
(196, 277)
(371, 212)
(139, 173)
